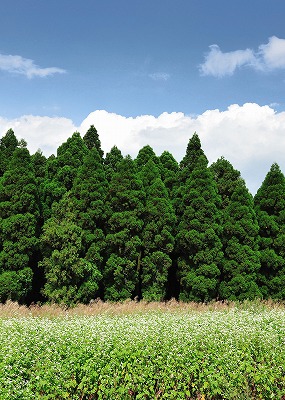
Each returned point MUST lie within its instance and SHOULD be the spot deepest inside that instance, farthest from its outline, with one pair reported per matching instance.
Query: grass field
(143, 351)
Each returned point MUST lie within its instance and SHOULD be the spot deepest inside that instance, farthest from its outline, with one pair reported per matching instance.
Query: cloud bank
(24, 66)
(250, 136)
(268, 57)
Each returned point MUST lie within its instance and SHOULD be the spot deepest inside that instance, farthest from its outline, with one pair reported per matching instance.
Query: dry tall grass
(12, 309)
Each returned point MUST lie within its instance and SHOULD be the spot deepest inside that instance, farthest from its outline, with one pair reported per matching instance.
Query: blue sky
(156, 70)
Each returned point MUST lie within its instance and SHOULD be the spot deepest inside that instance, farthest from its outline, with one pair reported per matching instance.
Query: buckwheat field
(143, 352)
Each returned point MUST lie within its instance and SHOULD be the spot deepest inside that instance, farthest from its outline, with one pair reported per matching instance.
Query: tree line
(80, 226)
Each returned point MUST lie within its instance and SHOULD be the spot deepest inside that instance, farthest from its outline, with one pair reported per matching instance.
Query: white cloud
(24, 66)
(268, 57)
(250, 136)
(43, 133)
(159, 76)
(219, 64)
(273, 53)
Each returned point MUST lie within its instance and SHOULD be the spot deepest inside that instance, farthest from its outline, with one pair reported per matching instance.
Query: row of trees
(78, 226)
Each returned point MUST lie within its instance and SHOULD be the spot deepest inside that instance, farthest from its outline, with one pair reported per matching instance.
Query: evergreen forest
(81, 225)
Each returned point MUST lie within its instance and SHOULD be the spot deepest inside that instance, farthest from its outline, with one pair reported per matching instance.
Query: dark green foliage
(270, 209)
(8, 143)
(77, 226)
(145, 154)
(126, 203)
(199, 248)
(50, 189)
(14, 285)
(70, 278)
(19, 230)
(112, 159)
(69, 158)
(157, 235)
(73, 264)
(91, 139)
(89, 193)
(39, 165)
(193, 154)
(169, 170)
(61, 172)
(241, 261)
(188, 163)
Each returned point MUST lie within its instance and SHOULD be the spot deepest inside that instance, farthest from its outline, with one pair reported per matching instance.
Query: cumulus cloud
(24, 66)
(273, 53)
(250, 136)
(268, 57)
(43, 133)
(159, 76)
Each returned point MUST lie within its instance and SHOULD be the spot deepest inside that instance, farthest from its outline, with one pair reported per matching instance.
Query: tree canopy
(79, 225)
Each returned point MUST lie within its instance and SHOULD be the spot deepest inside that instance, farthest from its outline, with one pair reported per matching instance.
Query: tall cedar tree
(125, 202)
(199, 248)
(50, 189)
(61, 172)
(91, 139)
(144, 155)
(19, 229)
(82, 212)
(111, 162)
(70, 278)
(89, 192)
(241, 261)
(157, 235)
(8, 143)
(270, 210)
(69, 158)
(169, 170)
(39, 165)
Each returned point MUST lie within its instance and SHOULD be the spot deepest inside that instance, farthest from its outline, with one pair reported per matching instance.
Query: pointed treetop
(72, 151)
(144, 155)
(72, 145)
(111, 161)
(168, 161)
(9, 141)
(270, 197)
(91, 139)
(113, 157)
(227, 178)
(193, 153)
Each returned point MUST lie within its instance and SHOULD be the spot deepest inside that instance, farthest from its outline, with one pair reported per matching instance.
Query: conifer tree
(199, 248)
(241, 261)
(193, 153)
(270, 210)
(76, 231)
(111, 161)
(69, 158)
(89, 192)
(61, 172)
(91, 139)
(19, 213)
(169, 170)
(50, 189)
(125, 201)
(144, 155)
(39, 165)
(70, 278)
(8, 143)
(157, 235)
